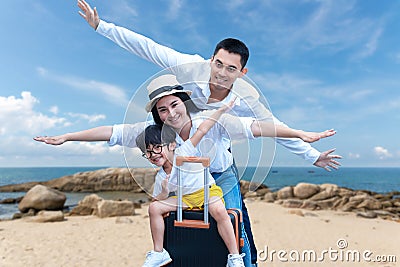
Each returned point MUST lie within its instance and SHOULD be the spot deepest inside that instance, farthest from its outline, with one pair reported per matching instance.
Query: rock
(305, 190)
(325, 194)
(262, 191)
(48, 216)
(111, 208)
(42, 198)
(87, 206)
(367, 214)
(309, 205)
(370, 204)
(269, 197)
(328, 203)
(123, 220)
(292, 203)
(296, 212)
(285, 193)
(110, 179)
(250, 194)
(11, 200)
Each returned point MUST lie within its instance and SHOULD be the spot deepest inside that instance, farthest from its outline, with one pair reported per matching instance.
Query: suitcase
(191, 237)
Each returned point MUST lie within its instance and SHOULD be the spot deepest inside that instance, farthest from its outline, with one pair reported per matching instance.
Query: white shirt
(189, 68)
(192, 174)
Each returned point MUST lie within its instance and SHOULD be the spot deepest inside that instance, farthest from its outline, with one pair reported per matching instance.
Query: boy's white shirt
(192, 174)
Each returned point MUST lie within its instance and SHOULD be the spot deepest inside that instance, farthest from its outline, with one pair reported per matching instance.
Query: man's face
(225, 69)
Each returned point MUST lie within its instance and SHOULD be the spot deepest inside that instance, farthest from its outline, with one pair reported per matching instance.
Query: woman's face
(172, 111)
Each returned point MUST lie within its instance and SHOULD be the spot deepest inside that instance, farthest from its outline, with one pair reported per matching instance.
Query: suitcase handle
(206, 163)
(181, 159)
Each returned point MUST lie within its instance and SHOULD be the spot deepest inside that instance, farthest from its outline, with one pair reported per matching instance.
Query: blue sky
(320, 65)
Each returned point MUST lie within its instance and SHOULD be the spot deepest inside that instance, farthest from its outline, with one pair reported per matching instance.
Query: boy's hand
(164, 185)
(229, 106)
(311, 137)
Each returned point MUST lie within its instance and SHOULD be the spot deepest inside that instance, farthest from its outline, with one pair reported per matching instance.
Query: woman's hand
(51, 140)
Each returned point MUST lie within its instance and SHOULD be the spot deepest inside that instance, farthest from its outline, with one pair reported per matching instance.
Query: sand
(282, 236)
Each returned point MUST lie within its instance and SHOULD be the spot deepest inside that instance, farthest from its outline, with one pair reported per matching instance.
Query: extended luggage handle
(193, 223)
(181, 159)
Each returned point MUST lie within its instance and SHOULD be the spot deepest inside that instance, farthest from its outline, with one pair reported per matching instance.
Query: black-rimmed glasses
(157, 149)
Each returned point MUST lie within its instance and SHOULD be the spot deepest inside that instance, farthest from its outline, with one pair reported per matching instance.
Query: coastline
(124, 241)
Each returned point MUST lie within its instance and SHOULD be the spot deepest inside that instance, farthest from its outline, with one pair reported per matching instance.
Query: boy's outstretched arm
(208, 123)
(89, 14)
(102, 133)
(268, 129)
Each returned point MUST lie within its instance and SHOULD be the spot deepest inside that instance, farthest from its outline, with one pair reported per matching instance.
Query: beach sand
(91, 241)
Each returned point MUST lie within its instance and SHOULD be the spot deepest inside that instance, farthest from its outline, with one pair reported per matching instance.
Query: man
(216, 82)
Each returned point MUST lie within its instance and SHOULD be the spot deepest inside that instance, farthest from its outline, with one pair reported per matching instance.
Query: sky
(319, 64)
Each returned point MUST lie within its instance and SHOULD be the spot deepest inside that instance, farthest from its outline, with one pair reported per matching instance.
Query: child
(159, 147)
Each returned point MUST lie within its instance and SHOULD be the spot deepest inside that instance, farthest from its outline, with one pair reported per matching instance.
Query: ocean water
(381, 180)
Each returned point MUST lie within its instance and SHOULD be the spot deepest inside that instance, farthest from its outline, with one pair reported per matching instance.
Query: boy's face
(160, 154)
(225, 69)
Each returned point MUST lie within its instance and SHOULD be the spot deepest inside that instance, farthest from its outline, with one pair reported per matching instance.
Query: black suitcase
(191, 237)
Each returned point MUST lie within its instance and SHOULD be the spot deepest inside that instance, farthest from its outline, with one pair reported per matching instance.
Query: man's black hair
(235, 46)
(155, 135)
(190, 107)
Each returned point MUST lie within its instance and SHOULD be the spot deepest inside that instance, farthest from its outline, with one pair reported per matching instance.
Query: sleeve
(125, 134)
(186, 149)
(235, 128)
(145, 47)
(262, 113)
(157, 184)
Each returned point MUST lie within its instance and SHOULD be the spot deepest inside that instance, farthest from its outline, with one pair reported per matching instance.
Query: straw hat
(162, 86)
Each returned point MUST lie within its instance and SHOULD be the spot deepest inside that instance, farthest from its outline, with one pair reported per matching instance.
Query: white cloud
(175, 6)
(90, 118)
(382, 153)
(110, 92)
(370, 47)
(352, 155)
(18, 115)
(54, 110)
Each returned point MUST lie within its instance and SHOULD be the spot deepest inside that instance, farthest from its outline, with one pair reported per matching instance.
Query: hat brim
(153, 101)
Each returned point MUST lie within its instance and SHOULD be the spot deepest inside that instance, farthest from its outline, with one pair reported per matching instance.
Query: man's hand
(311, 137)
(89, 14)
(328, 161)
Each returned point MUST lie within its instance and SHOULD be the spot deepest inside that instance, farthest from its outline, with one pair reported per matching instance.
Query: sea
(380, 180)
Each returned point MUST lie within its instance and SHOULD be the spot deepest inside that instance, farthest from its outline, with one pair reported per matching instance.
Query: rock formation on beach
(110, 179)
(308, 196)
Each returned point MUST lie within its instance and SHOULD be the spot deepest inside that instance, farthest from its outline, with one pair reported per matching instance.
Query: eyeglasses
(157, 149)
(220, 65)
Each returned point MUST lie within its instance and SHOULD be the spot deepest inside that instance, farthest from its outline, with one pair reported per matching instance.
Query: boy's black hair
(235, 46)
(155, 135)
(190, 107)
